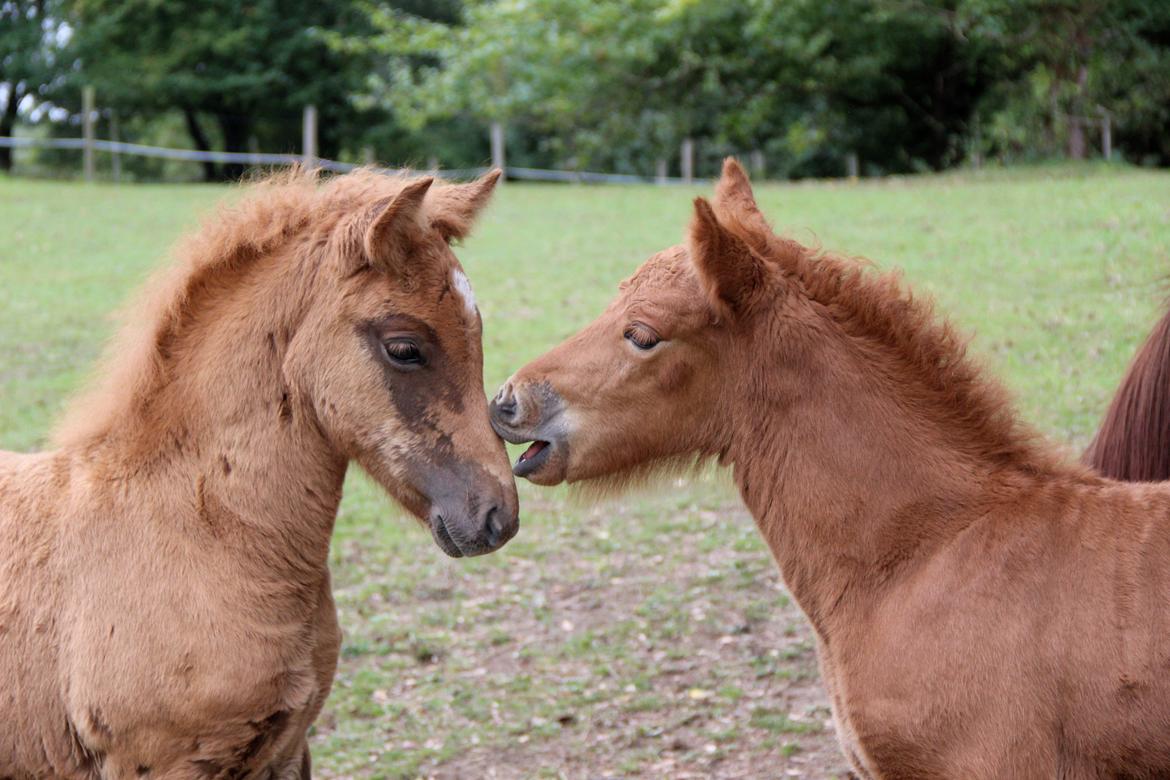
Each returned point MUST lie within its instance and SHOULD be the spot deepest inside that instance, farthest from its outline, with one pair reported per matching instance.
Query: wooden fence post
(977, 149)
(309, 137)
(1076, 137)
(115, 155)
(253, 150)
(87, 101)
(687, 160)
(852, 166)
(756, 162)
(1106, 135)
(660, 171)
(499, 153)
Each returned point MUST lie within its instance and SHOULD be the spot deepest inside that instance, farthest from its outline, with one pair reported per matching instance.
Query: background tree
(621, 83)
(1133, 84)
(535, 67)
(1076, 59)
(237, 72)
(906, 85)
(28, 58)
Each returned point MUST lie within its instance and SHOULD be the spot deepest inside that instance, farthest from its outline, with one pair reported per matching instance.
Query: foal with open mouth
(983, 608)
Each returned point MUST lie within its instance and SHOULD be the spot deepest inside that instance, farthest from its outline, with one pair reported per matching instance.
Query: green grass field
(648, 636)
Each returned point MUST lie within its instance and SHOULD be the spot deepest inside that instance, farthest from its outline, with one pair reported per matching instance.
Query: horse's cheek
(674, 377)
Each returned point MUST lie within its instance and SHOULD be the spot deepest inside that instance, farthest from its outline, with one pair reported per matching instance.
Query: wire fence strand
(336, 166)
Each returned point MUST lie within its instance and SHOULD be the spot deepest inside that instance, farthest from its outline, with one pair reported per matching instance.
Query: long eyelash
(641, 338)
(405, 353)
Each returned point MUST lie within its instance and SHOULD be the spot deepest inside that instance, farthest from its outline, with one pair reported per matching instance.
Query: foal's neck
(229, 437)
(846, 485)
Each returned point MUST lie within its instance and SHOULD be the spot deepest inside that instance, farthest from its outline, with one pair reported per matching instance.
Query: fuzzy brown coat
(165, 604)
(983, 608)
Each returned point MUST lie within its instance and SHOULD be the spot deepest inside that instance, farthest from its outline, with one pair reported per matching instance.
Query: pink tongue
(534, 450)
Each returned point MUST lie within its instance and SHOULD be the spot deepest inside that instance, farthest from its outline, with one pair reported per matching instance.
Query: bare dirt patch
(632, 640)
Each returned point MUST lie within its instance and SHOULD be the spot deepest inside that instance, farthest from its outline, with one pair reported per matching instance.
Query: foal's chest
(171, 740)
(216, 704)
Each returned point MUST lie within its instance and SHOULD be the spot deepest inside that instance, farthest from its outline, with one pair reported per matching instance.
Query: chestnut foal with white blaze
(983, 608)
(165, 603)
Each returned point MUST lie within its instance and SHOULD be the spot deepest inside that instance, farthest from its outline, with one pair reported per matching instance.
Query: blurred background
(654, 88)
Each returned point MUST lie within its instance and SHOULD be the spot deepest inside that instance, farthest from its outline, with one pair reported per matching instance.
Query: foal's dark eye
(642, 336)
(403, 352)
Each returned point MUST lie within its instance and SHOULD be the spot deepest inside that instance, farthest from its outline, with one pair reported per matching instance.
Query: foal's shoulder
(9, 459)
(13, 465)
(25, 475)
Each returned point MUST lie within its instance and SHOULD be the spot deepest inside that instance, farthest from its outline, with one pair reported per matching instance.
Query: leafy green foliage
(905, 84)
(1075, 60)
(28, 58)
(250, 67)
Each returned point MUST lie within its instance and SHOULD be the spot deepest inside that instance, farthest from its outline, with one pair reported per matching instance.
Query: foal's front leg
(325, 654)
(306, 764)
(296, 766)
(846, 738)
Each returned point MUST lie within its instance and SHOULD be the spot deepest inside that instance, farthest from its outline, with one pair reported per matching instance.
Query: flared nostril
(499, 525)
(494, 527)
(504, 404)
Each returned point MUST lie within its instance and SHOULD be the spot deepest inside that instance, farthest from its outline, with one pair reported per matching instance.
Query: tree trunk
(1076, 134)
(236, 129)
(1076, 138)
(201, 143)
(7, 124)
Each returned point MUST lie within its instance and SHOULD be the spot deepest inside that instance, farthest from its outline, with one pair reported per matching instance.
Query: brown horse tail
(1133, 443)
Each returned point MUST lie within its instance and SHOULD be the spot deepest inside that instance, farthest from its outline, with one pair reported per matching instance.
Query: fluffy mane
(276, 209)
(880, 311)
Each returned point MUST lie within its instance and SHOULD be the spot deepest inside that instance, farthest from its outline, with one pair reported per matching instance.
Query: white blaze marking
(463, 288)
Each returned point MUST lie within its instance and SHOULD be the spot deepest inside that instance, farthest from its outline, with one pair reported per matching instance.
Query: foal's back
(1118, 582)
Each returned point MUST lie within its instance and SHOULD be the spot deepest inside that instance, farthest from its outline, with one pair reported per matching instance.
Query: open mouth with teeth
(547, 448)
(532, 458)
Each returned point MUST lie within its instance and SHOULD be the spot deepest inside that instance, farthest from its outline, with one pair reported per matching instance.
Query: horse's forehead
(451, 302)
(439, 295)
(665, 275)
(461, 287)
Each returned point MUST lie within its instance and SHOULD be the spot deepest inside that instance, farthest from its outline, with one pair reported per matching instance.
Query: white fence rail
(261, 158)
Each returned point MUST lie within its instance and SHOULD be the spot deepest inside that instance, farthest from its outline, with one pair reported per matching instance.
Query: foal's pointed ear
(454, 207)
(730, 271)
(734, 184)
(393, 224)
(734, 198)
